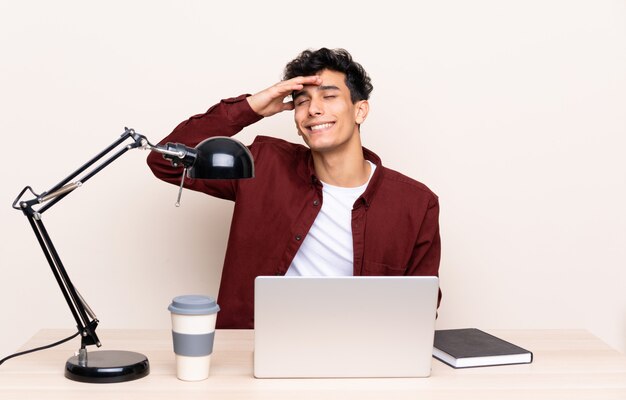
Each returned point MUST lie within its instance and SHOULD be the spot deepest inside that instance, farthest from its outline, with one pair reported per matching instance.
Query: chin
(322, 149)
(316, 143)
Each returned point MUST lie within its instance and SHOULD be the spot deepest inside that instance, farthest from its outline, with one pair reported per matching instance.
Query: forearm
(427, 251)
(226, 118)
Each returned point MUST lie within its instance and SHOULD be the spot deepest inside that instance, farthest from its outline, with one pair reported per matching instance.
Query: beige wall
(513, 112)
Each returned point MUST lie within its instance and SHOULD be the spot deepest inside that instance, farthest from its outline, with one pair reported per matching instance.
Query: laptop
(344, 327)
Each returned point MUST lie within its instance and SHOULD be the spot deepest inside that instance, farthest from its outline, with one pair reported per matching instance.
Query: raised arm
(271, 100)
(226, 118)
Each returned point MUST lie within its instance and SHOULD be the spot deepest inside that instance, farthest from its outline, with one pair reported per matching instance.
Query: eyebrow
(295, 95)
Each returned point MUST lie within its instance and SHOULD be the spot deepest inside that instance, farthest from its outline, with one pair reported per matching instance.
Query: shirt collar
(368, 196)
(307, 172)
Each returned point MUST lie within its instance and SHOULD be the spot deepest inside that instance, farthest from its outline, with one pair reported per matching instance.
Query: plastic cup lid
(194, 304)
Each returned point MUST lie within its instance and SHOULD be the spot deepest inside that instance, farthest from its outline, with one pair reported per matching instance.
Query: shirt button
(316, 202)
(298, 238)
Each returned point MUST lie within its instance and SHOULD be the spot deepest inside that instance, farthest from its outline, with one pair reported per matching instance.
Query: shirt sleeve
(226, 118)
(427, 251)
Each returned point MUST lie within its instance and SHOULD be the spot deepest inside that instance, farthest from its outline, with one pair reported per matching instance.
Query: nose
(315, 107)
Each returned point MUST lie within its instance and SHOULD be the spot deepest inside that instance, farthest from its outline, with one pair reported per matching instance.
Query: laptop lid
(320, 327)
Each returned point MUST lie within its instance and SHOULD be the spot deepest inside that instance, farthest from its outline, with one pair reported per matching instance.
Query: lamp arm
(86, 320)
(177, 153)
(63, 188)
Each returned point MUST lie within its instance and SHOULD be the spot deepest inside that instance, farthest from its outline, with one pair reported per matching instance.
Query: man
(330, 208)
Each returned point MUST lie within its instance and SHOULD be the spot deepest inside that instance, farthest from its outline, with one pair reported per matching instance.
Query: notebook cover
(474, 343)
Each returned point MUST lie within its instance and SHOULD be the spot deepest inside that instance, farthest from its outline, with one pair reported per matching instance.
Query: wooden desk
(568, 365)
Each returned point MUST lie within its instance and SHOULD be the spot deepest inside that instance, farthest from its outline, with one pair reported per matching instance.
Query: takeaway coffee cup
(193, 327)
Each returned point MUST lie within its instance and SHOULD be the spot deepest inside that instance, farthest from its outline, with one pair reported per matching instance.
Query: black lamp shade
(222, 158)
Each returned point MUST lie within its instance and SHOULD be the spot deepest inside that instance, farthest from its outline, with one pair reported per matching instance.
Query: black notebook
(463, 348)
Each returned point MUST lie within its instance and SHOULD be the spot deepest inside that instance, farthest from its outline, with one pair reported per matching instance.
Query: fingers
(306, 80)
(285, 88)
(287, 106)
(272, 100)
(297, 83)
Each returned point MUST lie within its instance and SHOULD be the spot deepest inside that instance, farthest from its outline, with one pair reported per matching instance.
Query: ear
(362, 108)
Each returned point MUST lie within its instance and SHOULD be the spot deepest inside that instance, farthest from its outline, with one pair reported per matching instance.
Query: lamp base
(108, 366)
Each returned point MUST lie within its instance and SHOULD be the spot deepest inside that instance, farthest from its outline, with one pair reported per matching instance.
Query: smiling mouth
(320, 127)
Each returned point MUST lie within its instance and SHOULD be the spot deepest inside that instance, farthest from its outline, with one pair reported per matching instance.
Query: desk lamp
(214, 158)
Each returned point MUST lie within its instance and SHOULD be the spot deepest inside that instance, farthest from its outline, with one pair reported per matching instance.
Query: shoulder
(265, 141)
(265, 145)
(397, 184)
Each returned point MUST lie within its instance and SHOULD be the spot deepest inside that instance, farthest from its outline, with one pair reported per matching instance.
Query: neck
(344, 169)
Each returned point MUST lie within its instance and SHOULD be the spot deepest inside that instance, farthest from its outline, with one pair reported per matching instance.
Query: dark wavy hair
(310, 62)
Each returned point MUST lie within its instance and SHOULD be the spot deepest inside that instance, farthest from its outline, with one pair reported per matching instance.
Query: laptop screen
(344, 326)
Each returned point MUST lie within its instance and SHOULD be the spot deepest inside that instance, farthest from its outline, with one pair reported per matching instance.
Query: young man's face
(325, 116)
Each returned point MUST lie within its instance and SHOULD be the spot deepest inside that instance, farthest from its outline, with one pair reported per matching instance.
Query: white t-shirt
(327, 248)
